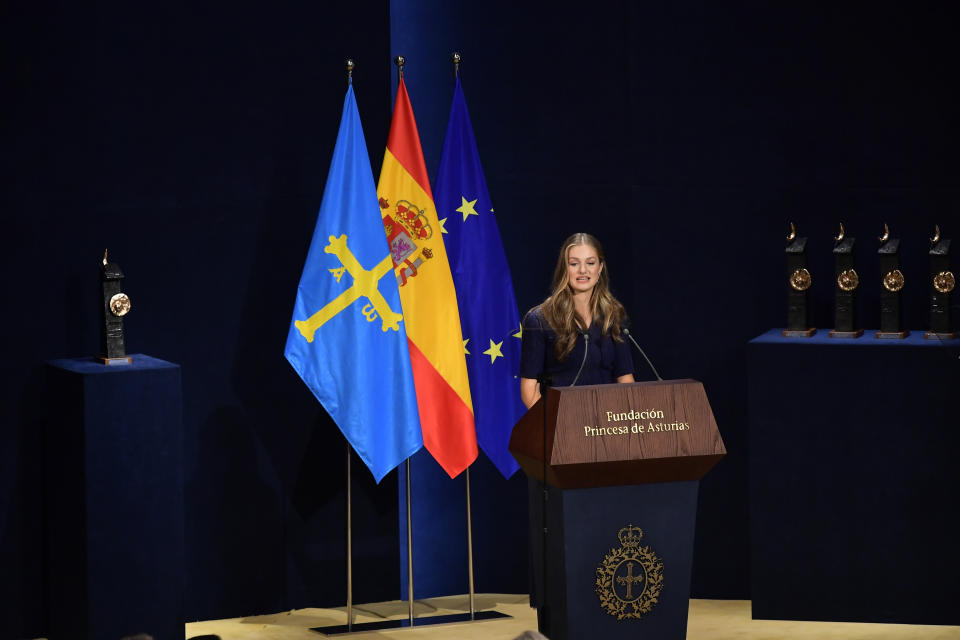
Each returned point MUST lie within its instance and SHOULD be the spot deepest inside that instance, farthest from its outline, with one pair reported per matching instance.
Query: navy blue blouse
(607, 359)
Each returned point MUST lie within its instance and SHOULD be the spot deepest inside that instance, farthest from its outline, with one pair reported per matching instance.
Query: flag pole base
(357, 627)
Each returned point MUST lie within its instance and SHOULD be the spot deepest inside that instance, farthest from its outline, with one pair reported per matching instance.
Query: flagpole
(349, 483)
(409, 547)
(400, 61)
(349, 64)
(349, 547)
(455, 57)
(470, 548)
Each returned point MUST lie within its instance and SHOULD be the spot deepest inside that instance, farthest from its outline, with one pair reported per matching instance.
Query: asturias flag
(488, 308)
(347, 339)
(429, 300)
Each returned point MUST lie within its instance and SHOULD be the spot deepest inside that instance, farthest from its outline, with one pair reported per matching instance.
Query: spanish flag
(427, 294)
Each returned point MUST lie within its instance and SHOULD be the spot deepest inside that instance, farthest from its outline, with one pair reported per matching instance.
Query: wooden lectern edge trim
(697, 456)
(653, 470)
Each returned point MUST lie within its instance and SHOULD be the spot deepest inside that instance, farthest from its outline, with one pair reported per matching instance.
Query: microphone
(626, 332)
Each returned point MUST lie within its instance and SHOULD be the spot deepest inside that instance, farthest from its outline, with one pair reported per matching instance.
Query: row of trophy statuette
(891, 282)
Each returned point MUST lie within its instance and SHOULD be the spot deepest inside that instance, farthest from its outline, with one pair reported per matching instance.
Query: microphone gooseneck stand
(586, 348)
(626, 332)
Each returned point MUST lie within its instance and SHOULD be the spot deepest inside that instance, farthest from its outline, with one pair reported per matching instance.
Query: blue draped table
(853, 478)
(114, 499)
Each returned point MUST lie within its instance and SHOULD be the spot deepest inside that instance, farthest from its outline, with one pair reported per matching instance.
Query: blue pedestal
(853, 478)
(583, 531)
(114, 499)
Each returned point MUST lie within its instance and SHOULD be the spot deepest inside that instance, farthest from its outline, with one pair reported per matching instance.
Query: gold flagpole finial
(400, 61)
(839, 237)
(793, 233)
(350, 66)
(886, 234)
(936, 234)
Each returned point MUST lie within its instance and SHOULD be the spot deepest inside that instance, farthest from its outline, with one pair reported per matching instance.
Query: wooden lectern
(622, 464)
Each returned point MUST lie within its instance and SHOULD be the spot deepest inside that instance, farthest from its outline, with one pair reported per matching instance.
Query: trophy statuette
(942, 283)
(845, 289)
(798, 282)
(892, 282)
(116, 304)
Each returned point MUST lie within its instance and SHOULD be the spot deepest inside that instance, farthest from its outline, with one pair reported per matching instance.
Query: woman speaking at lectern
(574, 336)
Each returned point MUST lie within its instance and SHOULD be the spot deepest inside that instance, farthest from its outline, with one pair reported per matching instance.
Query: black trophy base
(846, 334)
(892, 335)
(798, 333)
(114, 361)
(934, 335)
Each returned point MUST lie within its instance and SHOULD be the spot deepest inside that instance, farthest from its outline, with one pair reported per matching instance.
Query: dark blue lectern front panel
(114, 499)
(587, 530)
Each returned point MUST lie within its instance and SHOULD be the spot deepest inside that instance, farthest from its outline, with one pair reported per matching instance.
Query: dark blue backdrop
(193, 141)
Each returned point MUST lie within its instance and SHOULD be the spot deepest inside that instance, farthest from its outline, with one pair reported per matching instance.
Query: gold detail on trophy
(629, 579)
(848, 280)
(840, 235)
(886, 234)
(893, 281)
(800, 280)
(936, 234)
(793, 233)
(944, 282)
(120, 305)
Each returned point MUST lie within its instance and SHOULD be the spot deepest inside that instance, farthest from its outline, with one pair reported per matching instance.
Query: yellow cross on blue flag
(488, 309)
(347, 339)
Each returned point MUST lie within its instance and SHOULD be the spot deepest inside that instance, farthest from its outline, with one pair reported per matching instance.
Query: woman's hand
(530, 391)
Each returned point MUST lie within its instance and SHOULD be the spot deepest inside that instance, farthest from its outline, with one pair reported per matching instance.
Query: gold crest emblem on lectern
(630, 578)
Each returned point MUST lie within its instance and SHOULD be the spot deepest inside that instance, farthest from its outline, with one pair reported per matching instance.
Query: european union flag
(488, 309)
(347, 339)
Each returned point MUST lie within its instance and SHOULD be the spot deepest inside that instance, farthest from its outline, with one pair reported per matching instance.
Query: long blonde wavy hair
(558, 309)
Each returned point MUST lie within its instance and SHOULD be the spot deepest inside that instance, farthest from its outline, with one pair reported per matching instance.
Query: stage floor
(709, 620)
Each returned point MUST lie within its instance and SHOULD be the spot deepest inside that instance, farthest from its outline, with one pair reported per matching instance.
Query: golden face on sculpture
(800, 280)
(120, 305)
(893, 281)
(944, 282)
(848, 280)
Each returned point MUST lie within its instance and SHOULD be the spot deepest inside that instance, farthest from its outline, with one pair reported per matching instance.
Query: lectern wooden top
(614, 434)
